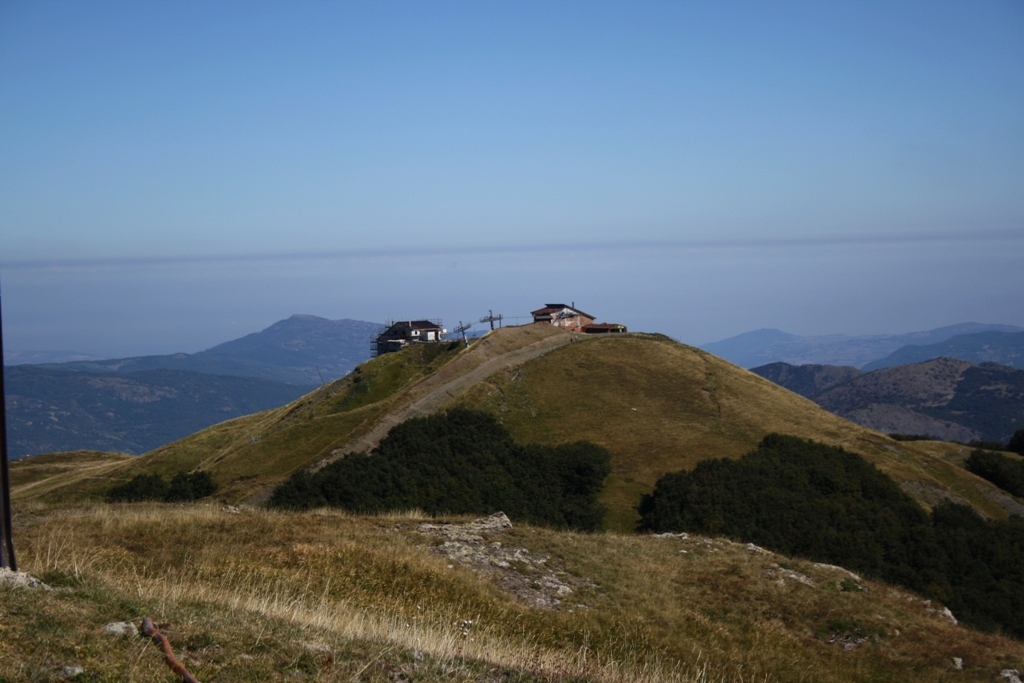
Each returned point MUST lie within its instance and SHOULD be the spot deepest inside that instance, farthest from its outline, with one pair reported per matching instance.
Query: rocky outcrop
(529, 577)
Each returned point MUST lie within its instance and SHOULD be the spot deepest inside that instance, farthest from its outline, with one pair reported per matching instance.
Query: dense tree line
(820, 502)
(911, 437)
(182, 488)
(1014, 445)
(460, 462)
(1005, 472)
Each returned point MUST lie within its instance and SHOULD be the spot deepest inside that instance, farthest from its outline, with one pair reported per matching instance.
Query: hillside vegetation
(656, 405)
(460, 462)
(820, 502)
(258, 595)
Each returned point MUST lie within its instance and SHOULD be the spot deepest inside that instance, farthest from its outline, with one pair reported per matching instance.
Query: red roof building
(604, 328)
(564, 316)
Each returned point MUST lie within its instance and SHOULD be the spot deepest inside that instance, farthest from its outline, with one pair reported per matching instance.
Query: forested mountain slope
(943, 398)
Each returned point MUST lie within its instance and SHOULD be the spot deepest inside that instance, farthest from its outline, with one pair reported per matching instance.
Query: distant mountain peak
(766, 334)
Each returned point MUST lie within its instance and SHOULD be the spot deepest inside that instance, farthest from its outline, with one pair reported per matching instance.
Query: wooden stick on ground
(160, 639)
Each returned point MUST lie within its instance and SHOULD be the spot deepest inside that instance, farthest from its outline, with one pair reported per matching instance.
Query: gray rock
(20, 580)
(516, 570)
(943, 613)
(121, 628)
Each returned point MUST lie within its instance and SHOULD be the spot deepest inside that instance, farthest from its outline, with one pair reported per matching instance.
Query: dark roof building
(404, 332)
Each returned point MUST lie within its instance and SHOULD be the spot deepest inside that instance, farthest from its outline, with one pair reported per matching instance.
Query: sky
(177, 174)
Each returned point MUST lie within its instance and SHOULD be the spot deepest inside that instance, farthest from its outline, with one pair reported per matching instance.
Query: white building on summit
(401, 333)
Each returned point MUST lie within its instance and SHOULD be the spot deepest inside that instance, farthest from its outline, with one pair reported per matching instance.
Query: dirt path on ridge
(433, 392)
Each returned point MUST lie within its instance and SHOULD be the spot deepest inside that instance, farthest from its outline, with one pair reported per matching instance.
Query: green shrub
(983, 561)
(911, 437)
(1016, 443)
(988, 445)
(183, 487)
(801, 498)
(141, 487)
(186, 487)
(1005, 472)
(811, 500)
(460, 462)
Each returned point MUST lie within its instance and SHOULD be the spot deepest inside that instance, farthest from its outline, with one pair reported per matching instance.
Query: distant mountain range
(40, 357)
(297, 350)
(945, 398)
(1005, 348)
(133, 405)
(753, 349)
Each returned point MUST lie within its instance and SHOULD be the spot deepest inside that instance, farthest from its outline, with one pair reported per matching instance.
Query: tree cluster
(183, 487)
(820, 502)
(911, 437)
(1005, 472)
(460, 462)
(1016, 443)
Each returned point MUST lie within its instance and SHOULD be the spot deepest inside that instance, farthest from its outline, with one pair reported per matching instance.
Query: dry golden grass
(660, 406)
(657, 405)
(61, 476)
(41, 467)
(326, 596)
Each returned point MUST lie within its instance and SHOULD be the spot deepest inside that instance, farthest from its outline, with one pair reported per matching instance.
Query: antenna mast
(462, 329)
(491, 318)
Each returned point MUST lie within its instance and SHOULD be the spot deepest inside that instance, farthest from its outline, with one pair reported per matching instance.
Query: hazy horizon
(175, 175)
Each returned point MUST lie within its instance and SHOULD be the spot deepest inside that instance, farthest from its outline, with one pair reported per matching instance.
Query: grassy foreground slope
(657, 405)
(258, 595)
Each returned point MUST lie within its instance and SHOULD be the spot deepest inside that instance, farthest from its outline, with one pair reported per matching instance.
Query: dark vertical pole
(7, 558)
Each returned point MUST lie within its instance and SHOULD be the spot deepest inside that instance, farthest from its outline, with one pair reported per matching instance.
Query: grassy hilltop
(250, 594)
(657, 405)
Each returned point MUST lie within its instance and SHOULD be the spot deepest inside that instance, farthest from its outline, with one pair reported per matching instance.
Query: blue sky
(176, 174)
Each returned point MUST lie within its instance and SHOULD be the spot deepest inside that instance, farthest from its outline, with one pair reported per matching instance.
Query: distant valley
(133, 405)
(60, 410)
(945, 398)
